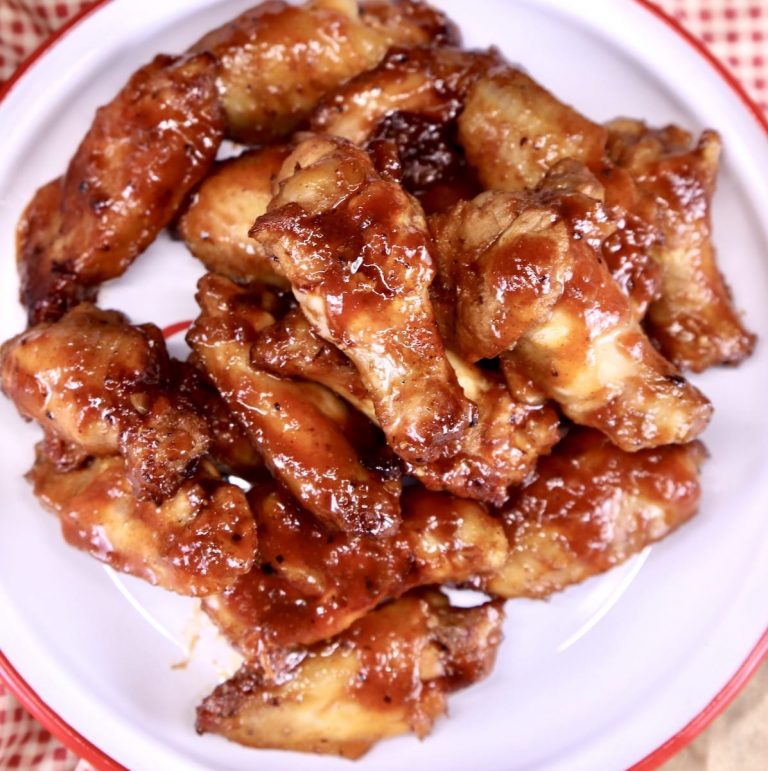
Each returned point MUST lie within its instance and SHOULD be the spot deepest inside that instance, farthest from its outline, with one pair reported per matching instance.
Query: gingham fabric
(25, 744)
(735, 30)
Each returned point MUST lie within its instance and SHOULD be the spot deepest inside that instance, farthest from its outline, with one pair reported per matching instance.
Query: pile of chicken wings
(442, 342)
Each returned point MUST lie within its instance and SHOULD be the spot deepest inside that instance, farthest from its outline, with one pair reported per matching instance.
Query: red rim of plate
(92, 754)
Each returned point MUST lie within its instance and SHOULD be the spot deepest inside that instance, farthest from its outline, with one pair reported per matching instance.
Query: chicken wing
(278, 60)
(312, 584)
(143, 153)
(356, 250)
(498, 451)
(386, 675)
(693, 321)
(305, 434)
(516, 133)
(412, 99)
(99, 386)
(215, 226)
(591, 506)
(425, 81)
(513, 131)
(577, 339)
(196, 543)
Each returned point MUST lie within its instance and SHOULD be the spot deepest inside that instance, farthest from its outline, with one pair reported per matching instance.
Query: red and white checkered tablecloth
(735, 30)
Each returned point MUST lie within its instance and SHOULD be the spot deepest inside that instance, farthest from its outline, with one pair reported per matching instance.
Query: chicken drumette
(528, 282)
(356, 250)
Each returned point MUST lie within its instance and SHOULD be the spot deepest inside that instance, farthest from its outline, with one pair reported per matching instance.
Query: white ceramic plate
(596, 678)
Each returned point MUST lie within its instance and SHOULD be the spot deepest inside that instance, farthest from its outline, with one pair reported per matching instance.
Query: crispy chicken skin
(195, 543)
(388, 674)
(513, 131)
(99, 386)
(578, 339)
(356, 250)
(278, 60)
(693, 321)
(591, 506)
(305, 434)
(215, 226)
(498, 451)
(143, 153)
(310, 584)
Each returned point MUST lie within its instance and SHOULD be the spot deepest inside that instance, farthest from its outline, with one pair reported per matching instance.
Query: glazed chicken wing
(386, 675)
(142, 155)
(693, 320)
(591, 506)
(305, 434)
(311, 584)
(216, 224)
(498, 451)
(195, 543)
(99, 386)
(411, 100)
(356, 250)
(577, 338)
(513, 131)
(425, 81)
(519, 136)
(278, 60)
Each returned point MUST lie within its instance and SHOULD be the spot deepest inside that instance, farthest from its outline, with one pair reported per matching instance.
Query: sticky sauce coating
(311, 583)
(142, 155)
(100, 386)
(388, 674)
(591, 506)
(195, 543)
